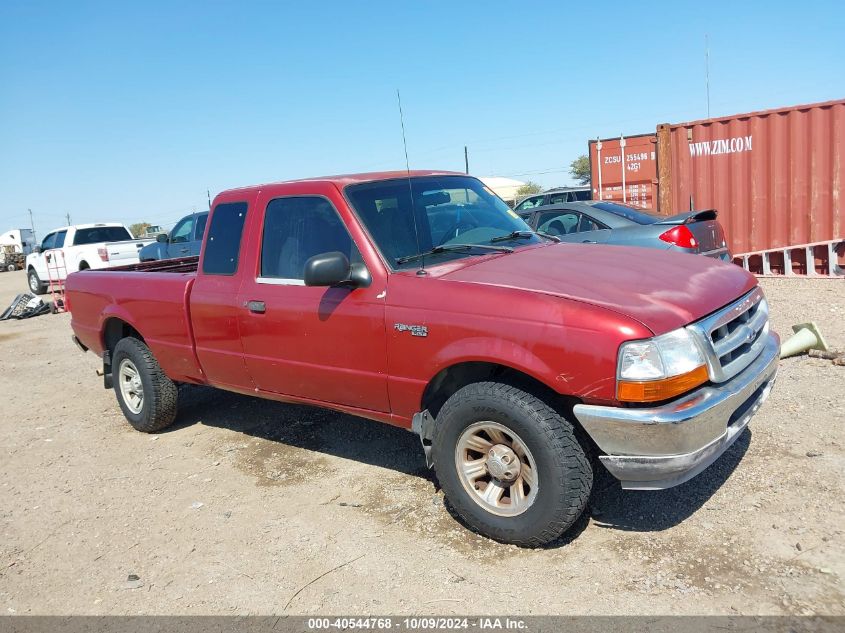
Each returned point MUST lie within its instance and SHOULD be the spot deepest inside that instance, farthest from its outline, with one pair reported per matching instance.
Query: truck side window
(60, 239)
(296, 229)
(48, 242)
(182, 231)
(223, 245)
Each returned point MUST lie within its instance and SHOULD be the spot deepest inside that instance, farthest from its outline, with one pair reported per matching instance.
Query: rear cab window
(97, 234)
(223, 244)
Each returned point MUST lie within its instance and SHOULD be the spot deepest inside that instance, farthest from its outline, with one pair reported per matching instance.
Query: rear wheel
(36, 286)
(510, 465)
(146, 395)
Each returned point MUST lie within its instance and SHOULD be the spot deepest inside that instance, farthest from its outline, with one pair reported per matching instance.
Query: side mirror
(334, 269)
(36, 249)
(162, 238)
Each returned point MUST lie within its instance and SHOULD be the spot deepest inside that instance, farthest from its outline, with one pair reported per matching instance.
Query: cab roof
(343, 180)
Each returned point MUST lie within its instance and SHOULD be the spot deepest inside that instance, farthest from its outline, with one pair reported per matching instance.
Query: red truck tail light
(680, 236)
(104, 252)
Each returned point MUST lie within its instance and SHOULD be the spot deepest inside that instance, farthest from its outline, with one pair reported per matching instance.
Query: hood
(663, 290)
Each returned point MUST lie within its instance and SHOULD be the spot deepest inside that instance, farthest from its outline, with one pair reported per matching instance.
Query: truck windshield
(98, 234)
(449, 210)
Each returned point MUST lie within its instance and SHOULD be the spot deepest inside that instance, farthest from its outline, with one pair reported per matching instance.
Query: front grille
(734, 336)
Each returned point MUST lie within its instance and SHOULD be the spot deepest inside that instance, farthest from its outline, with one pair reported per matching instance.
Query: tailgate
(125, 252)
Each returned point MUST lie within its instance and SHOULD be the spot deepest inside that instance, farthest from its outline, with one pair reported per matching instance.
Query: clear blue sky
(129, 111)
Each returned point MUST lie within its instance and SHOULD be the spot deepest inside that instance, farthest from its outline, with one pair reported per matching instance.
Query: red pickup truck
(420, 300)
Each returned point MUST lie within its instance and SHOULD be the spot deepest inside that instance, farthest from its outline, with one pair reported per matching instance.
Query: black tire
(84, 266)
(564, 474)
(36, 286)
(158, 404)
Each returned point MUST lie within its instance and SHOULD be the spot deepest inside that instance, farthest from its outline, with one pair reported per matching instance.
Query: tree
(529, 188)
(579, 169)
(138, 228)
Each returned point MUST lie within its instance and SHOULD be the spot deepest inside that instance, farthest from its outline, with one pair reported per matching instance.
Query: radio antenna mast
(421, 270)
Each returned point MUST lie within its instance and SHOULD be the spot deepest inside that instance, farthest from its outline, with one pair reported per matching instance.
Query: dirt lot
(244, 505)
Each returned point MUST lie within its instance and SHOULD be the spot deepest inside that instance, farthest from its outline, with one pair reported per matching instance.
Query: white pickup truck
(82, 246)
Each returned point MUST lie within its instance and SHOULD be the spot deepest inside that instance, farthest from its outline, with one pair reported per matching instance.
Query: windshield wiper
(445, 248)
(524, 235)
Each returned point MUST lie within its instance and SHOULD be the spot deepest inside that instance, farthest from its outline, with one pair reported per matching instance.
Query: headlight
(660, 368)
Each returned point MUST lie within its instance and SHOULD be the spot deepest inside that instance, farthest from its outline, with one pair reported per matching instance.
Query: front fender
(489, 349)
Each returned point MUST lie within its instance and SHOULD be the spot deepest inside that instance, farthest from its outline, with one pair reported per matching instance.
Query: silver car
(601, 222)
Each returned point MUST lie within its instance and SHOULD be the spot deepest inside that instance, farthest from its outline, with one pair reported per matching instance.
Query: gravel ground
(248, 506)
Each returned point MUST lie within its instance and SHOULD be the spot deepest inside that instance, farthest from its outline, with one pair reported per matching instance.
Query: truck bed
(150, 297)
(180, 265)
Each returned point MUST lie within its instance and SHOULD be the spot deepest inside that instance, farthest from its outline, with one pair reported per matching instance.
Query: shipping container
(636, 184)
(775, 177)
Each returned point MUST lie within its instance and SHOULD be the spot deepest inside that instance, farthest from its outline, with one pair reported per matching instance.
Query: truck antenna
(421, 270)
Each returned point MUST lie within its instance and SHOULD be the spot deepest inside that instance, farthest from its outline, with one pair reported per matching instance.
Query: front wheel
(36, 286)
(145, 394)
(510, 465)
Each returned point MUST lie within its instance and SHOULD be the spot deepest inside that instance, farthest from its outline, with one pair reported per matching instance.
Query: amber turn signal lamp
(656, 390)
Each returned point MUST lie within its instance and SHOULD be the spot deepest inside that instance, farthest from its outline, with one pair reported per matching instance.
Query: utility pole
(208, 193)
(67, 215)
(32, 224)
(466, 160)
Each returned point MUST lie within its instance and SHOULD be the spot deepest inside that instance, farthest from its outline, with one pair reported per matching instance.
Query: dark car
(600, 222)
(184, 240)
(554, 196)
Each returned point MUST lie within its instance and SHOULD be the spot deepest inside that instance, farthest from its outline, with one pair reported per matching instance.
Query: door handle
(256, 307)
(588, 242)
(184, 250)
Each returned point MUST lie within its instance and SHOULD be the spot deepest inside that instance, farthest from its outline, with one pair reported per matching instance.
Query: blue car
(183, 241)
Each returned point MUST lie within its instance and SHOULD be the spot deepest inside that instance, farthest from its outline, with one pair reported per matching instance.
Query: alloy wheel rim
(131, 387)
(496, 468)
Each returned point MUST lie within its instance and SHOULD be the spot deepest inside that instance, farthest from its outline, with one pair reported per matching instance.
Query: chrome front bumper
(661, 447)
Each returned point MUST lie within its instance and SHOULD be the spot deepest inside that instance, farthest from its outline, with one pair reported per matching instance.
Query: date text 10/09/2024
(416, 623)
